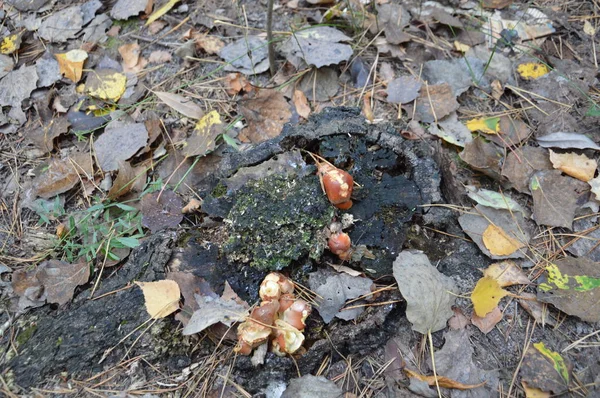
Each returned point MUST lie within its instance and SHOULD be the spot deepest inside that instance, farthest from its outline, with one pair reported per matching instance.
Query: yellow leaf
(532, 70)
(498, 242)
(161, 297)
(532, 392)
(208, 120)
(577, 166)
(106, 84)
(463, 48)
(442, 381)
(490, 125)
(10, 44)
(486, 295)
(161, 11)
(71, 63)
(588, 29)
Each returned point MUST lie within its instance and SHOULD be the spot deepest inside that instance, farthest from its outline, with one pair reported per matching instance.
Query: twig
(270, 38)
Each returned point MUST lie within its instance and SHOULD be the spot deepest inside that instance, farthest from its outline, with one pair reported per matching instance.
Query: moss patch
(277, 220)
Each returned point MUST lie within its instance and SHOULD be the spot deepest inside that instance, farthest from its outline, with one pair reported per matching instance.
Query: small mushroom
(297, 313)
(339, 243)
(287, 339)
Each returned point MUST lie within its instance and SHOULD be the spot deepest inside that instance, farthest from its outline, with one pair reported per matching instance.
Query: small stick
(270, 37)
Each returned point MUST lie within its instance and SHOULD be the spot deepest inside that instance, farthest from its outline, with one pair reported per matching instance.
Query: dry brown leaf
(435, 102)
(236, 82)
(507, 273)
(159, 57)
(577, 166)
(498, 242)
(536, 309)
(210, 44)
(487, 323)
(124, 181)
(161, 297)
(265, 113)
(70, 64)
(458, 320)
(181, 104)
(60, 279)
(59, 177)
(498, 4)
(202, 140)
(347, 270)
(442, 381)
(193, 205)
(301, 104)
(156, 26)
(130, 54)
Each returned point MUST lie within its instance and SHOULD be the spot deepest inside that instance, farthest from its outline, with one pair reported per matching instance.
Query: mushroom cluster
(280, 318)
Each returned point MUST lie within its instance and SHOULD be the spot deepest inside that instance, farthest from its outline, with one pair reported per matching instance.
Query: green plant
(100, 230)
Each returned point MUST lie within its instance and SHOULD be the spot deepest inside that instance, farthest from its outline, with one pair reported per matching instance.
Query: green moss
(26, 334)
(219, 191)
(277, 220)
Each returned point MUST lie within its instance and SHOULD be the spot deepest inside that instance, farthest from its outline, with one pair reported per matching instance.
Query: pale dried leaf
(181, 104)
(576, 165)
(161, 297)
(426, 290)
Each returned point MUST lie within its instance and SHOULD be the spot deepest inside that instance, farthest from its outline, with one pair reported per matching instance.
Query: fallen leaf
(511, 132)
(475, 224)
(202, 140)
(532, 70)
(490, 125)
(486, 296)
(212, 310)
(531, 392)
(492, 199)
(247, 55)
(426, 291)
(161, 11)
(193, 205)
(451, 130)
(190, 285)
(442, 381)
(162, 213)
(124, 181)
(130, 54)
(10, 44)
(507, 273)
(483, 156)
(522, 163)
(595, 186)
(458, 320)
(185, 106)
(487, 323)
(498, 242)
(57, 178)
(588, 29)
(393, 19)
(159, 57)
(60, 279)
(539, 311)
(7, 64)
(403, 90)
(317, 46)
(556, 198)
(572, 285)
(545, 369)
(334, 290)
(119, 143)
(123, 9)
(62, 25)
(301, 104)
(567, 141)
(577, 166)
(312, 386)
(320, 84)
(17, 86)
(459, 73)
(456, 361)
(265, 114)
(435, 102)
(42, 137)
(210, 44)
(161, 297)
(499, 4)
(71, 64)
(345, 269)
(236, 82)
(106, 84)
